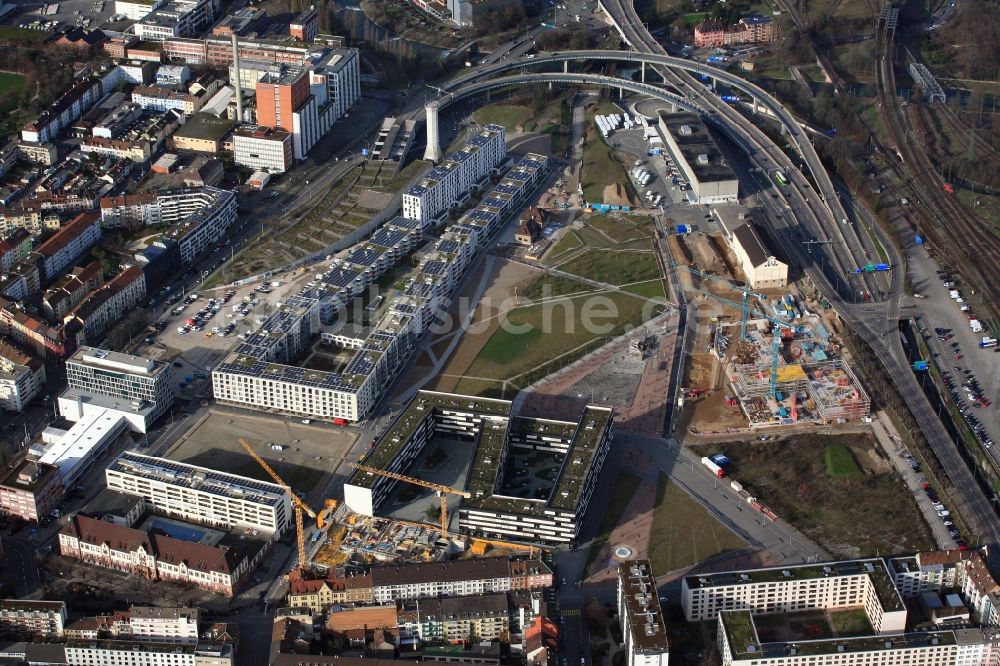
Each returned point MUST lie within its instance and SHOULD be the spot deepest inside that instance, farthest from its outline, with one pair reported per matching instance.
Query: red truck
(949, 188)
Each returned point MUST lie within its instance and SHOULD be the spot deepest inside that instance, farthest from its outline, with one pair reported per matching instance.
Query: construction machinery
(441, 490)
(745, 290)
(300, 506)
(776, 323)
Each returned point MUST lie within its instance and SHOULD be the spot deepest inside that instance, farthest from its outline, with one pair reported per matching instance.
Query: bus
(779, 178)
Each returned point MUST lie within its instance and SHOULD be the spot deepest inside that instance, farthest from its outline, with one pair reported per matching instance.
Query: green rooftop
(740, 633)
(205, 127)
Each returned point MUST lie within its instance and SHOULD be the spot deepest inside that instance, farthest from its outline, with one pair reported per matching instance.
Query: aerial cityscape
(499, 333)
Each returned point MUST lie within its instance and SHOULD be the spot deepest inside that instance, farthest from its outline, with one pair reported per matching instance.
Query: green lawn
(650, 289)
(508, 115)
(22, 34)
(622, 493)
(790, 476)
(554, 330)
(549, 286)
(622, 229)
(851, 622)
(615, 268)
(569, 242)
(695, 17)
(505, 345)
(840, 463)
(11, 86)
(684, 532)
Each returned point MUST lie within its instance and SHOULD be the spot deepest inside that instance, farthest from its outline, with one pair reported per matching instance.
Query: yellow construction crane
(437, 487)
(299, 505)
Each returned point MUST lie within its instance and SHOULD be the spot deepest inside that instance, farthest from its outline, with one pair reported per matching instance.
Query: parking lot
(86, 13)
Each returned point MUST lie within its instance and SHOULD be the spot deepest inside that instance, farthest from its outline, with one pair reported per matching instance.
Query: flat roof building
(31, 490)
(201, 495)
(698, 157)
(643, 625)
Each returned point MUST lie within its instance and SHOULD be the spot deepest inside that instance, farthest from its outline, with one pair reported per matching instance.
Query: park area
(832, 488)
(547, 328)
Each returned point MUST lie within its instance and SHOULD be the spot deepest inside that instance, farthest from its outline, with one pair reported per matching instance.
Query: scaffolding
(837, 392)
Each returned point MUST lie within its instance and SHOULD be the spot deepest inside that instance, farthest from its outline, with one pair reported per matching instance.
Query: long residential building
(68, 244)
(201, 495)
(200, 217)
(451, 182)
(643, 626)
(71, 105)
(865, 583)
(153, 555)
(87, 322)
(257, 374)
(126, 653)
(457, 578)
(32, 619)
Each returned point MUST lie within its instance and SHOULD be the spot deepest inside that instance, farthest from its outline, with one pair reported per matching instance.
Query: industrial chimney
(238, 82)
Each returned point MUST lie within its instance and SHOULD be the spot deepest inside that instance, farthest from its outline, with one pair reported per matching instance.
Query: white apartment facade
(963, 647)
(851, 583)
(448, 183)
(339, 72)
(201, 495)
(68, 244)
(136, 9)
(125, 653)
(46, 619)
(201, 218)
(164, 625)
(130, 209)
(19, 385)
(644, 628)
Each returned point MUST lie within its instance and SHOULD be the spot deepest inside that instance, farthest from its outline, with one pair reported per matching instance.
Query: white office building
(263, 148)
(643, 626)
(339, 72)
(75, 450)
(140, 389)
(136, 9)
(201, 495)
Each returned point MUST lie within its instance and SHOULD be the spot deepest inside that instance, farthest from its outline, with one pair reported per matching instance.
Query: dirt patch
(617, 194)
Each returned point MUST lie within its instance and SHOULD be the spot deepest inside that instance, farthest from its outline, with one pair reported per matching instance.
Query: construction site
(776, 366)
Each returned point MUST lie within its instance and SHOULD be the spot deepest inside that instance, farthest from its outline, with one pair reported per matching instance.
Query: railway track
(956, 232)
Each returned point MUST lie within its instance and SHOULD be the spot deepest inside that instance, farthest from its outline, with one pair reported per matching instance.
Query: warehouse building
(552, 516)
(695, 153)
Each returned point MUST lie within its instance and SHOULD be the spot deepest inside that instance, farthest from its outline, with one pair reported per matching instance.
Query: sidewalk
(888, 438)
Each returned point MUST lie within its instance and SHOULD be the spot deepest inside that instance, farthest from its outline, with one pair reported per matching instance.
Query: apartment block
(305, 26)
(68, 244)
(22, 378)
(200, 217)
(451, 182)
(30, 331)
(31, 490)
(125, 653)
(153, 98)
(88, 321)
(319, 594)
(454, 620)
(130, 210)
(579, 448)
(255, 375)
(749, 30)
(643, 625)
(100, 381)
(201, 495)
(164, 625)
(21, 618)
(740, 645)
(866, 583)
(14, 248)
(70, 290)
